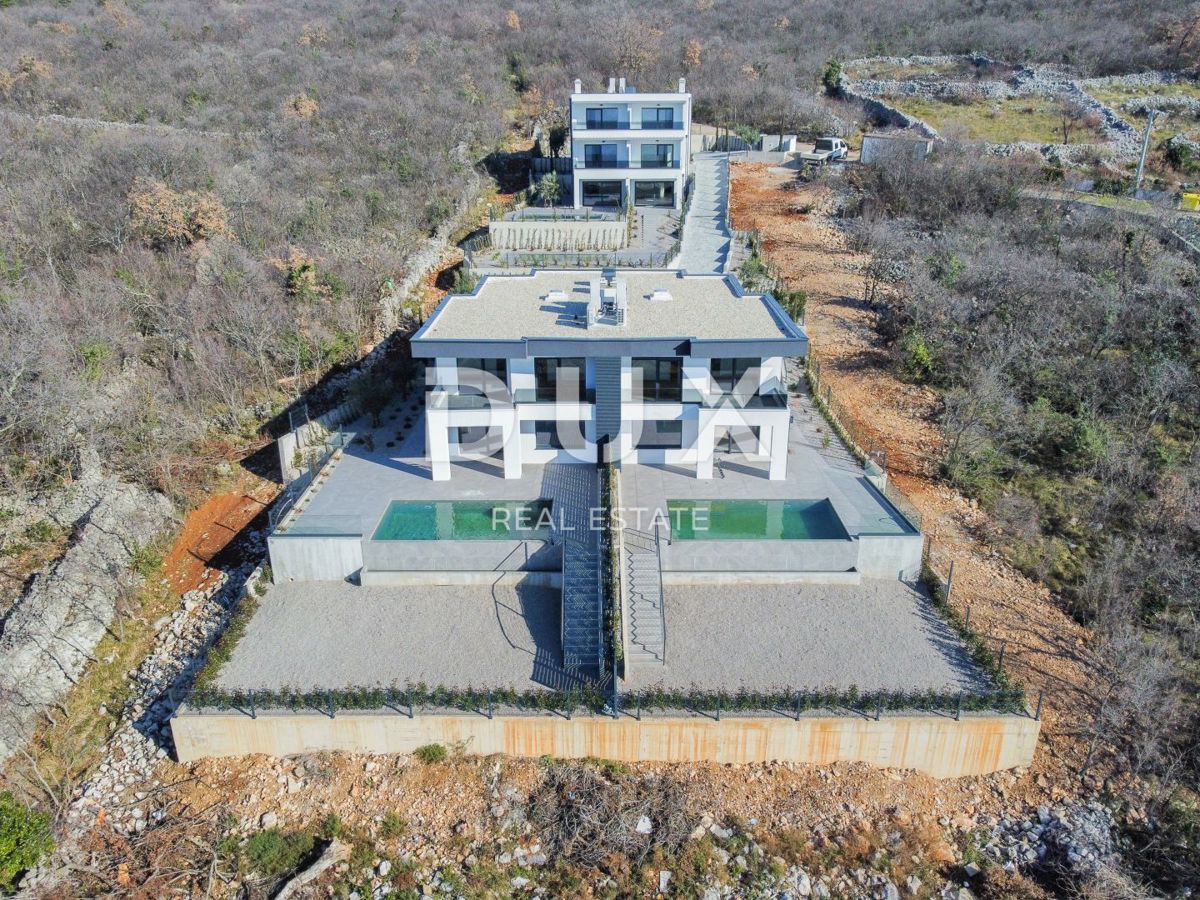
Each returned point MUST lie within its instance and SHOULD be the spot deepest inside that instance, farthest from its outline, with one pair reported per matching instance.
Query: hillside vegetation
(159, 279)
(1063, 345)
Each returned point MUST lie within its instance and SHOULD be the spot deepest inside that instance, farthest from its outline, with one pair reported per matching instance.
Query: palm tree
(549, 188)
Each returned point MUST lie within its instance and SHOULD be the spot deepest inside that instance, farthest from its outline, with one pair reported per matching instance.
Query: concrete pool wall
(339, 557)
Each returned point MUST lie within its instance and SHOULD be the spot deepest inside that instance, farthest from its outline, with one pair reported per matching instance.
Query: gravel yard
(880, 634)
(876, 635)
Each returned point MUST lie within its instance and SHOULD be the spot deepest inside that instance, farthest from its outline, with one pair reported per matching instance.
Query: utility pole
(1137, 181)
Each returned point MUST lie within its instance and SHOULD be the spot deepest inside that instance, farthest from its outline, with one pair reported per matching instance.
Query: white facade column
(764, 440)
(437, 438)
(510, 431)
(705, 445)
(779, 449)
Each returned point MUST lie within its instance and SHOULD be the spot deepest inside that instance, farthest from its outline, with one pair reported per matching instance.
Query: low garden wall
(939, 745)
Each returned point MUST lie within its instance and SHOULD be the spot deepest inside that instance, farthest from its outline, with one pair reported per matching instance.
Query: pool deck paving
(877, 635)
(366, 480)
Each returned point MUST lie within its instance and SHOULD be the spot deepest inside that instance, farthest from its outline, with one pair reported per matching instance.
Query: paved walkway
(706, 237)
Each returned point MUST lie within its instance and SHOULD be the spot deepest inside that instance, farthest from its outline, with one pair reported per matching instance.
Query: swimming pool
(752, 520)
(465, 520)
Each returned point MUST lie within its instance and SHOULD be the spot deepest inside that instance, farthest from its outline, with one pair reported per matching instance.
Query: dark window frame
(667, 434)
(727, 372)
(667, 383)
(545, 375)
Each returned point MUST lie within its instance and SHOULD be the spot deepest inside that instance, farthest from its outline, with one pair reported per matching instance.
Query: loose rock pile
(1076, 839)
(124, 783)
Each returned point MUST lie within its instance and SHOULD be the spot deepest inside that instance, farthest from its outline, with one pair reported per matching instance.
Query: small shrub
(331, 827)
(272, 852)
(392, 825)
(24, 839)
(832, 75)
(432, 753)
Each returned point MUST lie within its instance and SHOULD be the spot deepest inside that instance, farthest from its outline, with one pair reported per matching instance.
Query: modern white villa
(628, 146)
(653, 366)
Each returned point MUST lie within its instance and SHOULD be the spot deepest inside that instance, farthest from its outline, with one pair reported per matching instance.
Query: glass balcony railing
(626, 164)
(596, 125)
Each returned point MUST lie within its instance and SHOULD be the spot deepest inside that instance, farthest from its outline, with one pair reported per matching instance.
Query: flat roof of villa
(705, 307)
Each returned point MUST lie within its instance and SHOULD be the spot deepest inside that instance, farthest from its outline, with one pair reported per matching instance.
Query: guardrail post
(1041, 696)
(797, 706)
(569, 704)
(958, 709)
(332, 708)
(950, 582)
(878, 707)
(639, 705)
(718, 709)
(967, 620)
(1000, 665)
(411, 709)
(253, 710)
(489, 705)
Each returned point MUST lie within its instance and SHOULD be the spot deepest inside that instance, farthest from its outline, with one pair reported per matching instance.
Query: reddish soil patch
(1044, 647)
(209, 529)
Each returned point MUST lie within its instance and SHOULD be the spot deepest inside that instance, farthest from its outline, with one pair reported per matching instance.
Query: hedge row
(592, 697)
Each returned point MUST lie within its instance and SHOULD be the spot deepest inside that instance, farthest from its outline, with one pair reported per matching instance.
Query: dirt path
(1044, 647)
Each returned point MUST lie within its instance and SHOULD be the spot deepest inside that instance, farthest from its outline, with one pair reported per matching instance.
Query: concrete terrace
(365, 481)
(878, 635)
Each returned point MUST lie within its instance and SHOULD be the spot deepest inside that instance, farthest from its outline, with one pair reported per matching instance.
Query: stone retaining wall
(937, 745)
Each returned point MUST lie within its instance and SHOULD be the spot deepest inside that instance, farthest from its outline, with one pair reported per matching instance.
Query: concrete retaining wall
(760, 556)
(890, 555)
(937, 745)
(458, 556)
(314, 557)
(551, 235)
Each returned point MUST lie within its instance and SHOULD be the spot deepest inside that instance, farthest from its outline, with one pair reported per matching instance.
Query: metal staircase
(582, 605)
(643, 585)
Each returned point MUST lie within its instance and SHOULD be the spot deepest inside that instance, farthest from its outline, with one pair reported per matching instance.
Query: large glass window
(661, 434)
(550, 434)
(654, 193)
(470, 369)
(596, 155)
(602, 193)
(657, 379)
(658, 117)
(551, 371)
(729, 373)
(660, 156)
(601, 117)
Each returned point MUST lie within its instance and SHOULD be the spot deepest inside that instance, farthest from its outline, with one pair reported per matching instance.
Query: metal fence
(314, 458)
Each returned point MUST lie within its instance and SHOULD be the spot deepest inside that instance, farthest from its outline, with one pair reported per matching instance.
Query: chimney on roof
(620, 85)
(579, 85)
(683, 85)
(612, 85)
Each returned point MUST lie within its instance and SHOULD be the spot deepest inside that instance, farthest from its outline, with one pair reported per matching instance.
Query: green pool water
(465, 520)
(752, 520)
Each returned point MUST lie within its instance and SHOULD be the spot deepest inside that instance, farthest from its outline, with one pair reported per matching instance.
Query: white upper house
(628, 146)
(647, 366)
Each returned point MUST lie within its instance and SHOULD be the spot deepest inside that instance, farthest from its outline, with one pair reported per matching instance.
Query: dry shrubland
(140, 304)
